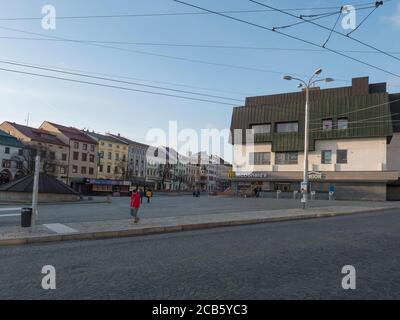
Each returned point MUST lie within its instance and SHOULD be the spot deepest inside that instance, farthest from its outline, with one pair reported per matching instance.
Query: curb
(177, 228)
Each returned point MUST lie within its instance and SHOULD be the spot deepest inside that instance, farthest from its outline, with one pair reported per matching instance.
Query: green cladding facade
(368, 115)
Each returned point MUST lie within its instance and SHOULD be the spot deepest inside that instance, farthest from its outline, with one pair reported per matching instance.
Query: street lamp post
(306, 86)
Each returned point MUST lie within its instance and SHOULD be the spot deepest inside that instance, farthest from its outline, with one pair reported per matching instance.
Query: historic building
(137, 162)
(83, 152)
(54, 153)
(354, 142)
(11, 158)
(113, 157)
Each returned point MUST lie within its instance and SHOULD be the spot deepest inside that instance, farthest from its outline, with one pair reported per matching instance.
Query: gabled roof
(47, 184)
(10, 141)
(126, 140)
(110, 138)
(73, 133)
(38, 135)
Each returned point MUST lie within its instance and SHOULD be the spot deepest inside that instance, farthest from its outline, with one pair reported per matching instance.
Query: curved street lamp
(307, 85)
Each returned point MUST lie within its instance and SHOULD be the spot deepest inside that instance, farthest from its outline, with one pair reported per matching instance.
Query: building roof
(10, 141)
(47, 184)
(110, 138)
(73, 133)
(355, 103)
(38, 135)
(126, 140)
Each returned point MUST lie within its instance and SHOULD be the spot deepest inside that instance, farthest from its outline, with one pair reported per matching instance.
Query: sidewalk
(123, 228)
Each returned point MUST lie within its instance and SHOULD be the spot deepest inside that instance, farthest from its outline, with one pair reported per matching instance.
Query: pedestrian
(141, 194)
(149, 194)
(135, 204)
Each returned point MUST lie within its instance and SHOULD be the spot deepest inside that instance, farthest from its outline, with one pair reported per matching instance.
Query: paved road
(296, 260)
(166, 206)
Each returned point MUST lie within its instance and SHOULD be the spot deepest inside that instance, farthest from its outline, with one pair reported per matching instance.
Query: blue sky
(133, 114)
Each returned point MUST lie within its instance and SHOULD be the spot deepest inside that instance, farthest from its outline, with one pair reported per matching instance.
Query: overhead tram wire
(292, 37)
(191, 45)
(173, 14)
(377, 5)
(315, 17)
(354, 111)
(152, 53)
(114, 87)
(115, 80)
(326, 28)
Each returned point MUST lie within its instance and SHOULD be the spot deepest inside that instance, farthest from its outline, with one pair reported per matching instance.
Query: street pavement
(166, 206)
(285, 260)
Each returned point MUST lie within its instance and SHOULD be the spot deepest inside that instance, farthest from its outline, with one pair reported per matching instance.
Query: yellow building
(113, 157)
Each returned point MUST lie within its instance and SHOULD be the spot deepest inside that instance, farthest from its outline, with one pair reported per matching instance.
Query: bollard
(277, 194)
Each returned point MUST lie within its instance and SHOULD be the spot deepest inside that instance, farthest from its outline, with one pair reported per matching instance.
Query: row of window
(281, 127)
(7, 150)
(84, 146)
(110, 145)
(264, 158)
(109, 156)
(117, 170)
(84, 157)
(7, 164)
(293, 126)
(84, 170)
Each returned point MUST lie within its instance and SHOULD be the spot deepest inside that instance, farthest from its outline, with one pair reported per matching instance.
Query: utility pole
(306, 86)
(35, 192)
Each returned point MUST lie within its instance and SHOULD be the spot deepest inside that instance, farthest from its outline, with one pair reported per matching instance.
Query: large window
(260, 158)
(326, 156)
(287, 127)
(343, 123)
(341, 156)
(261, 128)
(286, 158)
(327, 124)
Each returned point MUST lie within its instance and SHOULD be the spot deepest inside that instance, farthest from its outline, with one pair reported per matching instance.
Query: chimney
(360, 86)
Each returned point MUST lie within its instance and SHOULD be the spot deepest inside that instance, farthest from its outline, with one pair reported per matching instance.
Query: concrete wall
(24, 197)
(393, 152)
(366, 154)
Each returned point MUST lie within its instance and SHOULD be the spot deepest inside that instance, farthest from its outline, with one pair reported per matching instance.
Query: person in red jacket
(135, 204)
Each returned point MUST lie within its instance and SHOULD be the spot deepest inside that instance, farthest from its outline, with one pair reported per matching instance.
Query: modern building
(83, 152)
(54, 153)
(113, 157)
(354, 142)
(11, 158)
(137, 162)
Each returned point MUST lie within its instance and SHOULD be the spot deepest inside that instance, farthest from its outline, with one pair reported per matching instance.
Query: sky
(133, 114)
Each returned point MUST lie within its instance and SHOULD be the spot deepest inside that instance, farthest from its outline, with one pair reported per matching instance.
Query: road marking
(60, 228)
(10, 215)
(10, 209)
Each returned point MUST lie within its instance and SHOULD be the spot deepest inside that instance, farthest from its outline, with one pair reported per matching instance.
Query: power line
(192, 45)
(377, 5)
(326, 28)
(362, 121)
(354, 111)
(173, 14)
(114, 87)
(153, 54)
(292, 37)
(115, 80)
(131, 78)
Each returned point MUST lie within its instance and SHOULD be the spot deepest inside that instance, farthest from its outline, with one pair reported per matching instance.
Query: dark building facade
(354, 142)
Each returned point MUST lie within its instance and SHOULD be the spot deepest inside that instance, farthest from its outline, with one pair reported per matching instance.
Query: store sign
(251, 174)
(316, 175)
